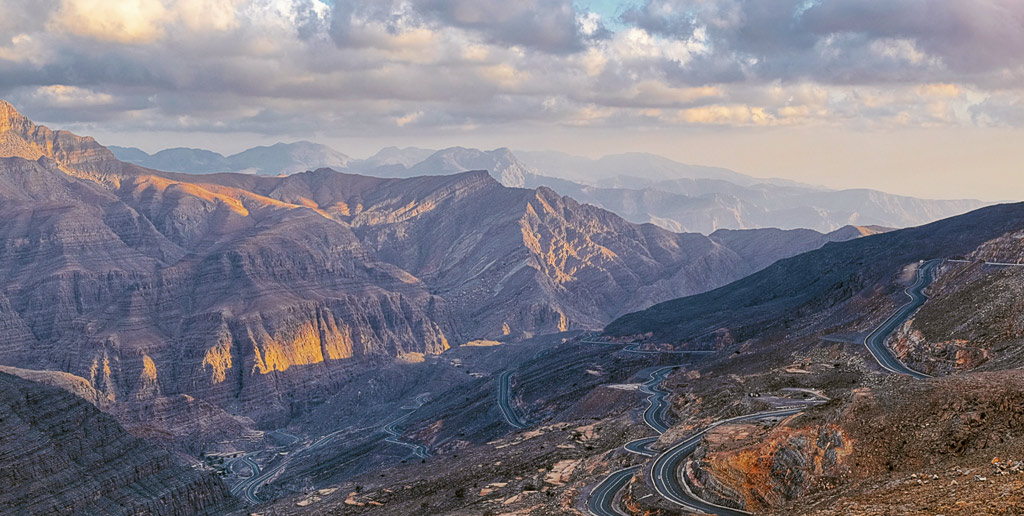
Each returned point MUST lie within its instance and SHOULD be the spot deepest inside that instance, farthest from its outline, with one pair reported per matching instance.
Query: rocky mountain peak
(7, 113)
(21, 138)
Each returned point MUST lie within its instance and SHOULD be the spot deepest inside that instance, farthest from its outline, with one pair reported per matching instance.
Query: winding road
(875, 341)
(664, 472)
(395, 436)
(503, 401)
(602, 498)
(657, 407)
(249, 487)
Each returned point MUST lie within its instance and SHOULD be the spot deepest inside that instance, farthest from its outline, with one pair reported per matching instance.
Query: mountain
(287, 158)
(404, 157)
(635, 164)
(684, 198)
(277, 159)
(244, 291)
(638, 190)
(63, 456)
(501, 163)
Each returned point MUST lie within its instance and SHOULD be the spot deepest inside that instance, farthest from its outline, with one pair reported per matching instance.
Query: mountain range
(241, 289)
(636, 186)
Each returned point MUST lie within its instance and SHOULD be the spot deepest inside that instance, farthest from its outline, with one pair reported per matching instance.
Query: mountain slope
(793, 288)
(60, 455)
(972, 320)
(150, 286)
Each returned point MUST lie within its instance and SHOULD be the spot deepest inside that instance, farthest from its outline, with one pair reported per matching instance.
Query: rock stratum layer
(60, 455)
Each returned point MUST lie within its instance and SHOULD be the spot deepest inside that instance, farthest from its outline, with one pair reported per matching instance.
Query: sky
(919, 97)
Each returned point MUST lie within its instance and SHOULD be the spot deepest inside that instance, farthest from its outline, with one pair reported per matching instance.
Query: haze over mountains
(277, 159)
(639, 187)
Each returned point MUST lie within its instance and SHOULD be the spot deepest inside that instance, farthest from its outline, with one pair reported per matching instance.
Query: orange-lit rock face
(780, 466)
(300, 347)
(148, 386)
(218, 361)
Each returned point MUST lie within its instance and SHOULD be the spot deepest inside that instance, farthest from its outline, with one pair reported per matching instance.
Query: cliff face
(60, 455)
(158, 287)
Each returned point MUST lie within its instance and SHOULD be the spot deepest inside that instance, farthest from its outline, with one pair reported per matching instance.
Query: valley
(333, 343)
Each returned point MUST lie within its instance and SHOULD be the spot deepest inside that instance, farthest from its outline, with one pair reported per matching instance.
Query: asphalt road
(503, 401)
(641, 446)
(255, 468)
(664, 472)
(249, 487)
(657, 407)
(634, 347)
(395, 435)
(602, 498)
(875, 341)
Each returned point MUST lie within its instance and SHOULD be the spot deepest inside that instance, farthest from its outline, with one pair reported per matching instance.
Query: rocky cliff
(60, 455)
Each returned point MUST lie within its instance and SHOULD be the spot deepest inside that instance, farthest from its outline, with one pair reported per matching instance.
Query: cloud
(391, 66)
(845, 41)
(548, 25)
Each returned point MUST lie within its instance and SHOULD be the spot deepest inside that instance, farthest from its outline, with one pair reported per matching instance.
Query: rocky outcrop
(747, 467)
(60, 455)
(900, 427)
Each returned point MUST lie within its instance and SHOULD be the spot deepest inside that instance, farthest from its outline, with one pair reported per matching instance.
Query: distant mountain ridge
(637, 186)
(277, 159)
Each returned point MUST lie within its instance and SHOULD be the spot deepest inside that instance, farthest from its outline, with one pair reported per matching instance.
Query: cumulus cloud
(386, 66)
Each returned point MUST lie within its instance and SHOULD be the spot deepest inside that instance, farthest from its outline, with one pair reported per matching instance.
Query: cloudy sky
(924, 97)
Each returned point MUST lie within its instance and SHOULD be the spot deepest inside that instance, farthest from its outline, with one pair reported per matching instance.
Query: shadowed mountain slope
(60, 455)
(796, 287)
